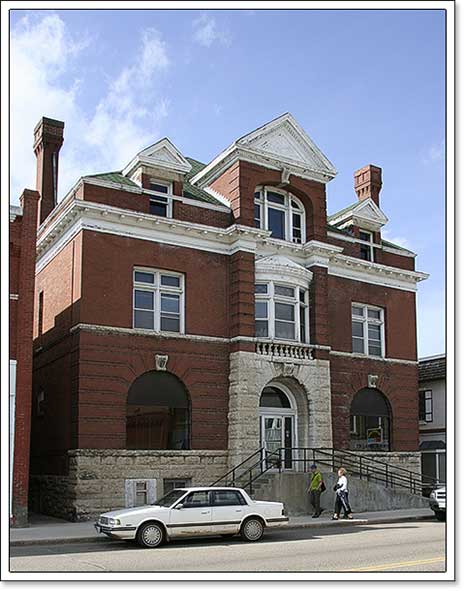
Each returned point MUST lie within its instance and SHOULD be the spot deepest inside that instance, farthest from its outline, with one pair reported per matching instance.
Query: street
(416, 546)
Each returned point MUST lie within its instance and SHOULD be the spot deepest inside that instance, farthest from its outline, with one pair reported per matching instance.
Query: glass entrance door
(277, 432)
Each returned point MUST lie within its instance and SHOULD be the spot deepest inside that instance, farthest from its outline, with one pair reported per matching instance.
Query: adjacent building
(432, 417)
(189, 314)
(22, 251)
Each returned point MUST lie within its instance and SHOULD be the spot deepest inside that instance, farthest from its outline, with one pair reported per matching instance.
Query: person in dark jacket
(342, 496)
(315, 490)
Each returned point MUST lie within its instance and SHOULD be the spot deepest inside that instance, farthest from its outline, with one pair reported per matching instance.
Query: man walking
(315, 489)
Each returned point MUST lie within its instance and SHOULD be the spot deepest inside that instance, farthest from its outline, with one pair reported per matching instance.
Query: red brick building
(189, 314)
(22, 247)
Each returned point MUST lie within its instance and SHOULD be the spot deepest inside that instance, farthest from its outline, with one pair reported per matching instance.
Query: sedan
(189, 512)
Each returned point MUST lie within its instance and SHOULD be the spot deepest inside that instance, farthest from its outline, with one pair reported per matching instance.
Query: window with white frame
(280, 212)
(426, 406)
(367, 330)
(158, 300)
(161, 202)
(281, 312)
(367, 251)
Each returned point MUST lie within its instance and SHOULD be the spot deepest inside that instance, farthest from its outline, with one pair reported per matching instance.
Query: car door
(193, 518)
(228, 508)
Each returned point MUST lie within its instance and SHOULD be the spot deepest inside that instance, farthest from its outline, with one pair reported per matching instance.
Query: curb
(316, 525)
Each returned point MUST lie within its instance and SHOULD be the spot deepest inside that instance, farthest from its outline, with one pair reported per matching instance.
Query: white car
(437, 502)
(189, 512)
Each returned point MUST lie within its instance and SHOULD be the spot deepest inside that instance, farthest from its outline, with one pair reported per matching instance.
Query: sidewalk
(49, 530)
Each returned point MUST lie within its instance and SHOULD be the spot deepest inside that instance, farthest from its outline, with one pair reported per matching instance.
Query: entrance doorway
(278, 425)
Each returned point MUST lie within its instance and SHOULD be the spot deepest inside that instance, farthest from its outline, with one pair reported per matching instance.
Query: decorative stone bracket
(161, 361)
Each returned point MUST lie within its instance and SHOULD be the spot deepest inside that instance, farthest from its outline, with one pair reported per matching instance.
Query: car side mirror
(179, 506)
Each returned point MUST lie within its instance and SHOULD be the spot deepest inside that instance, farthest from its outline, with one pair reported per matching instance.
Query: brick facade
(88, 353)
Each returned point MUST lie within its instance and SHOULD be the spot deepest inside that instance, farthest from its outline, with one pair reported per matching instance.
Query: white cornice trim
(368, 272)
(373, 358)
(81, 215)
(281, 269)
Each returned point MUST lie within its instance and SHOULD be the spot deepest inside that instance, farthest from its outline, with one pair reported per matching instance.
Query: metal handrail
(356, 464)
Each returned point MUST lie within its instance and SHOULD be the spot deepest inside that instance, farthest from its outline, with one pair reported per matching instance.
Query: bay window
(281, 312)
(280, 212)
(158, 302)
(367, 330)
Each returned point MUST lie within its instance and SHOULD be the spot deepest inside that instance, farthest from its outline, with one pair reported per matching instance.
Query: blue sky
(368, 86)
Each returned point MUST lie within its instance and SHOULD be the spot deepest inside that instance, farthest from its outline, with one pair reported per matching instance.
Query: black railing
(301, 458)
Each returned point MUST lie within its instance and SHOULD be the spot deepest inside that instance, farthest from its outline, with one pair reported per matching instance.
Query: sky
(368, 86)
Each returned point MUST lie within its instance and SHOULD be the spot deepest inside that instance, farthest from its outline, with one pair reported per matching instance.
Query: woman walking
(342, 496)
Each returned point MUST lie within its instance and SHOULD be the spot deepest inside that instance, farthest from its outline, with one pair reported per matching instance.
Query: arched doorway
(278, 421)
(370, 421)
(157, 413)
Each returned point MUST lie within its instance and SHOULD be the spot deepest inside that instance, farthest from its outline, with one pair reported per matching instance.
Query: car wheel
(440, 515)
(252, 530)
(150, 535)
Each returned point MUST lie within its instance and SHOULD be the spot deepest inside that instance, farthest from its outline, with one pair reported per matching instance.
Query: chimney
(48, 139)
(367, 182)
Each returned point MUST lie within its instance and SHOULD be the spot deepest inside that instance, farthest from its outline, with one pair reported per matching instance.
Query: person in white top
(342, 496)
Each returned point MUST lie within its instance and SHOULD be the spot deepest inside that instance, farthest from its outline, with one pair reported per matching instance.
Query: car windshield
(171, 497)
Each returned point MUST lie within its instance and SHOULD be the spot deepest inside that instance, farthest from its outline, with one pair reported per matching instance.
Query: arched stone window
(281, 212)
(370, 421)
(157, 413)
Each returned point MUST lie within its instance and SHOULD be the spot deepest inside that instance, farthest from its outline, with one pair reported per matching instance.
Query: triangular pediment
(367, 209)
(162, 155)
(165, 153)
(281, 268)
(285, 141)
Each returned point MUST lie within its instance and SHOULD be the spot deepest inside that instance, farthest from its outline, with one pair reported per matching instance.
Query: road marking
(396, 564)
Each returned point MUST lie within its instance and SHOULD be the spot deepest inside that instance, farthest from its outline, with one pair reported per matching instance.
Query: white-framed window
(280, 212)
(368, 330)
(161, 202)
(367, 251)
(426, 406)
(281, 312)
(140, 491)
(158, 300)
(171, 483)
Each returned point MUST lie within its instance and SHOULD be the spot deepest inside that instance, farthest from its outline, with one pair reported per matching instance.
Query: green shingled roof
(193, 192)
(190, 191)
(112, 177)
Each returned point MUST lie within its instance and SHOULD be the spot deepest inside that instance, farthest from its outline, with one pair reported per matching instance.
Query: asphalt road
(417, 546)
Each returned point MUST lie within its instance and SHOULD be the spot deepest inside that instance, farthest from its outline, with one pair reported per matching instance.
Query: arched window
(370, 421)
(157, 413)
(280, 212)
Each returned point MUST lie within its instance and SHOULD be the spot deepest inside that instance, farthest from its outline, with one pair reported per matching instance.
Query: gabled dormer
(159, 167)
(274, 179)
(365, 215)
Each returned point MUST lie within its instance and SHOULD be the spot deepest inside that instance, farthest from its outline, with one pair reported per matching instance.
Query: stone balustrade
(284, 350)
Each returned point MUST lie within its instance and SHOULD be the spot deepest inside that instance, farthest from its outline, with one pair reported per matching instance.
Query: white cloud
(105, 136)
(399, 240)
(206, 32)
(436, 153)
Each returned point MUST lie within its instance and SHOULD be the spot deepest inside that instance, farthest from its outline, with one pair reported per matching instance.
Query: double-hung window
(426, 406)
(161, 199)
(281, 312)
(158, 300)
(367, 330)
(367, 251)
(281, 213)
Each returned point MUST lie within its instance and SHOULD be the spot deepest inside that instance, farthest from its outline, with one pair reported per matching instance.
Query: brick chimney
(367, 182)
(48, 139)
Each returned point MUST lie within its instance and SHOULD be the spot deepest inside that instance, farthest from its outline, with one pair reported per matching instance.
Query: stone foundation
(96, 481)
